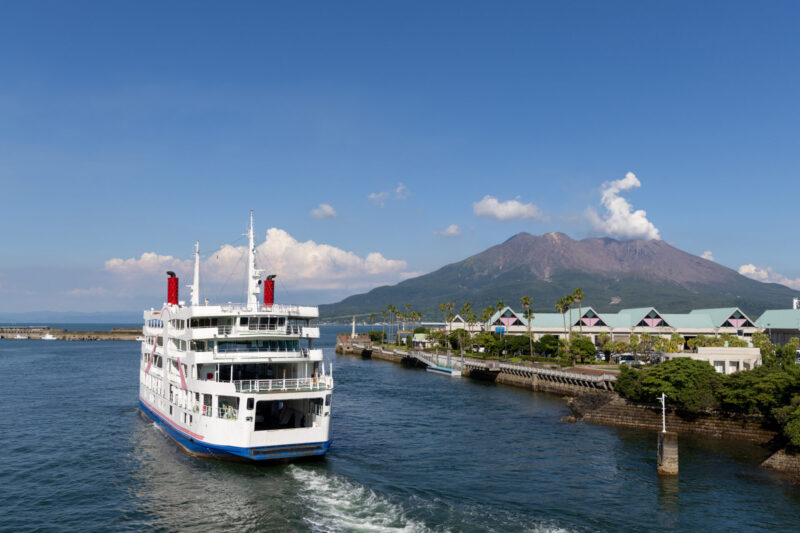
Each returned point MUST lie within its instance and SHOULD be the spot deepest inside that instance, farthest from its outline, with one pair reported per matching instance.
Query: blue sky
(129, 129)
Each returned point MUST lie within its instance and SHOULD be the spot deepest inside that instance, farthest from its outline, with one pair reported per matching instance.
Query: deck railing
(280, 385)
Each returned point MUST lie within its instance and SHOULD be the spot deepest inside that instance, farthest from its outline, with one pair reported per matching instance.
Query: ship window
(327, 399)
(251, 403)
(243, 320)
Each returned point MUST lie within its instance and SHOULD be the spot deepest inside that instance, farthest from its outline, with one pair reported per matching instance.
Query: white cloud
(489, 206)
(323, 211)
(379, 198)
(308, 264)
(707, 255)
(620, 220)
(768, 275)
(400, 192)
(147, 264)
(450, 231)
(91, 291)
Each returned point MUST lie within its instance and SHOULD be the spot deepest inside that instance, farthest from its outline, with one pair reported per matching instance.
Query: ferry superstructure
(236, 381)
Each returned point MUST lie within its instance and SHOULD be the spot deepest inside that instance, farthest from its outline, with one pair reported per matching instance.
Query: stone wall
(619, 412)
(785, 462)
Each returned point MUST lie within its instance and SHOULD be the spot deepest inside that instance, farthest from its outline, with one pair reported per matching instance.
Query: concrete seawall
(616, 411)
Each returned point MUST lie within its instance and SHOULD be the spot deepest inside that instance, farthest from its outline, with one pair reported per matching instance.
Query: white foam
(338, 504)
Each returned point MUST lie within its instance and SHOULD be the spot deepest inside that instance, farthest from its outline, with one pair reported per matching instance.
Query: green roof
(548, 320)
(779, 319)
(719, 315)
(688, 320)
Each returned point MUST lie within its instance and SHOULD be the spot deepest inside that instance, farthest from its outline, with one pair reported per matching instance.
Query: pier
(535, 376)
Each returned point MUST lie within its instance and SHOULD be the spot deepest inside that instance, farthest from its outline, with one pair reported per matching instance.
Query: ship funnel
(269, 290)
(172, 288)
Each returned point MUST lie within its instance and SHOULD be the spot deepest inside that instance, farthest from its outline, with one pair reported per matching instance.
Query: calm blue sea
(412, 451)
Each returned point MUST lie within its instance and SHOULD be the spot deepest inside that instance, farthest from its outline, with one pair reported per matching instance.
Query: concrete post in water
(667, 445)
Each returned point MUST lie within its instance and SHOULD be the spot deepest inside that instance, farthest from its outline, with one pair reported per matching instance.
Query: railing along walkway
(280, 385)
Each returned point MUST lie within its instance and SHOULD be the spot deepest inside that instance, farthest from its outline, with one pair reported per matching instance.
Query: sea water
(412, 451)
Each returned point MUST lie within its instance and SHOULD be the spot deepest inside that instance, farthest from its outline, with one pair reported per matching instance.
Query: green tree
(676, 343)
(440, 337)
(608, 349)
(633, 344)
(690, 385)
(583, 348)
(516, 344)
(547, 345)
(456, 339)
(621, 347)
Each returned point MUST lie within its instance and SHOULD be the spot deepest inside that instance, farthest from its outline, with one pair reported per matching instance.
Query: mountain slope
(613, 275)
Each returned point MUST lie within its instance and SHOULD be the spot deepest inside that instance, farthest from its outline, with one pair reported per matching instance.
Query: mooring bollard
(667, 445)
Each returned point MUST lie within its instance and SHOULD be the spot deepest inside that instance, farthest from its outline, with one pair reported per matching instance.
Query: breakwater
(38, 332)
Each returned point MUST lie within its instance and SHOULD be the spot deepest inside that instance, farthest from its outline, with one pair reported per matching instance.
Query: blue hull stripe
(260, 453)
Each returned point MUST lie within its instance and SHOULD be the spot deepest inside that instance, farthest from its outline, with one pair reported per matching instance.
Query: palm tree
(393, 316)
(466, 310)
(471, 319)
(486, 314)
(500, 305)
(569, 300)
(561, 307)
(526, 303)
(383, 325)
(578, 296)
(450, 317)
(371, 318)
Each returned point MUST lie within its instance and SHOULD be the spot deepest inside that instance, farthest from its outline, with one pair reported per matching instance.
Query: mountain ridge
(545, 267)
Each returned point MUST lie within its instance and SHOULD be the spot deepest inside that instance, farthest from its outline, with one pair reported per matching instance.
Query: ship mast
(195, 286)
(253, 274)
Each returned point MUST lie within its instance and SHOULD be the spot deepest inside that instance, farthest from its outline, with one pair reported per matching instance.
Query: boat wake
(338, 504)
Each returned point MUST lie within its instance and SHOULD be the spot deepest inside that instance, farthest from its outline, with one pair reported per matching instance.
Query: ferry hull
(261, 453)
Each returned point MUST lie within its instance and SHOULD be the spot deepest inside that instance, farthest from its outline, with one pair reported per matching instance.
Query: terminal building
(621, 325)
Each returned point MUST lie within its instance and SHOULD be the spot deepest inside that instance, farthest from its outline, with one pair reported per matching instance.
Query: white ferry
(236, 381)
